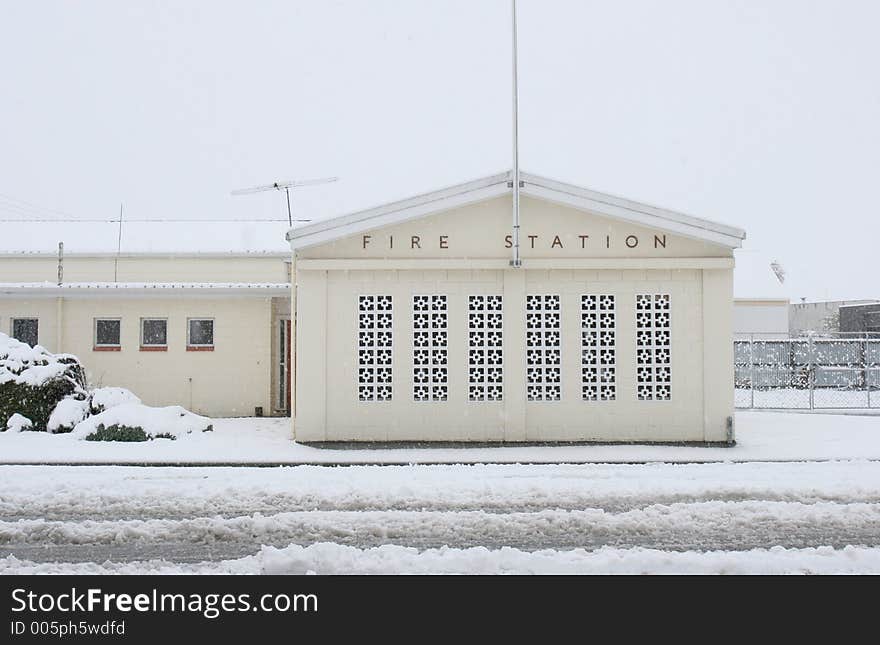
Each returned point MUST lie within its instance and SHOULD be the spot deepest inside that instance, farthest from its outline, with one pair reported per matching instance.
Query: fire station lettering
(547, 242)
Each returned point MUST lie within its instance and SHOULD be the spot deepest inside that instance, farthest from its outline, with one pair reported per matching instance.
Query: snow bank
(172, 421)
(327, 558)
(104, 398)
(67, 414)
(17, 423)
(330, 558)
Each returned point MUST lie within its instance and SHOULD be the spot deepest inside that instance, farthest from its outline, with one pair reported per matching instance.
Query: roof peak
(531, 185)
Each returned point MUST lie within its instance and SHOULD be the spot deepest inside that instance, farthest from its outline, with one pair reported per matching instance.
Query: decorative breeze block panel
(653, 347)
(598, 351)
(485, 348)
(430, 348)
(375, 345)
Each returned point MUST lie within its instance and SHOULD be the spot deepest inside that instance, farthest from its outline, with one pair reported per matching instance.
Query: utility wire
(141, 221)
(30, 213)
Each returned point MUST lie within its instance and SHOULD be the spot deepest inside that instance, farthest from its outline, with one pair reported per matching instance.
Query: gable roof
(531, 185)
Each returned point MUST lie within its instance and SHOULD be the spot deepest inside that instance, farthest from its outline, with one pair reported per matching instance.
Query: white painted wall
(229, 381)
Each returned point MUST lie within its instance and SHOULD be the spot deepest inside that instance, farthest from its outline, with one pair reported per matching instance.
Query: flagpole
(516, 261)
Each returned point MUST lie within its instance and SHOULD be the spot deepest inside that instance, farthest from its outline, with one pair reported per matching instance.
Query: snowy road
(224, 518)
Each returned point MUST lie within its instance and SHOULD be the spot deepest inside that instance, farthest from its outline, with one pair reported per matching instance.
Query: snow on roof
(754, 279)
(491, 186)
(859, 303)
(129, 288)
(149, 254)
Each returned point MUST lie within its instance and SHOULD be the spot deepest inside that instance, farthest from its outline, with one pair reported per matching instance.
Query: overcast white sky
(759, 114)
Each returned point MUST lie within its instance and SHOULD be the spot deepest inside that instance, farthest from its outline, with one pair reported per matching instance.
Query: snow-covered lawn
(761, 436)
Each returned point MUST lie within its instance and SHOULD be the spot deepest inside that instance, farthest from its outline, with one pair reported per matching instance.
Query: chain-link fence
(810, 372)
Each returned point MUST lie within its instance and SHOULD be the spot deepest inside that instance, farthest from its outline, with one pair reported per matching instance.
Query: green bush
(37, 402)
(117, 432)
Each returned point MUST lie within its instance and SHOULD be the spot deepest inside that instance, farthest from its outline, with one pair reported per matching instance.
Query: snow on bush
(67, 414)
(121, 423)
(104, 398)
(33, 381)
(47, 392)
(17, 423)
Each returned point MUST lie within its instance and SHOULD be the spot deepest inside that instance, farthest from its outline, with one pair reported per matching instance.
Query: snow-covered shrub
(67, 414)
(117, 432)
(47, 392)
(33, 381)
(17, 423)
(104, 398)
(127, 419)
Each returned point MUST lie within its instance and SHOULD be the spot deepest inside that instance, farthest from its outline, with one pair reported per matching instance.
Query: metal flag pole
(515, 261)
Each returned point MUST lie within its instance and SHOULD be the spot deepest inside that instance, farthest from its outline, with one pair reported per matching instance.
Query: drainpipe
(292, 366)
(59, 303)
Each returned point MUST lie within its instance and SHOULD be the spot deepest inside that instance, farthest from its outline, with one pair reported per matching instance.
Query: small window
(107, 333)
(26, 330)
(154, 333)
(200, 333)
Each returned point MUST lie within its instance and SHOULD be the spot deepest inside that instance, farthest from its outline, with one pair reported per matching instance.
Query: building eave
(10, 290)
(144, 254)
(399, 211)
(496, 185)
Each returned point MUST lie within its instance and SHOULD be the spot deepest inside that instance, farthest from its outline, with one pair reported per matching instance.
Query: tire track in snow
(681, 526)
(100, 508)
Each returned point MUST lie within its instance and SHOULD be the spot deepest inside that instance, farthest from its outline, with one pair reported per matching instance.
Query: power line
(139, 221)
(23, 204)
(31, 213)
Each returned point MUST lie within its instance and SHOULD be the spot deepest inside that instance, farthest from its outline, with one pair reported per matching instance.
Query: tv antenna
(286, 186)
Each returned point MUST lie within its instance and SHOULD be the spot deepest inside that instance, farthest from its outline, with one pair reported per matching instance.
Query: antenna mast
(118, 248)
(286, 186)
(515, 261)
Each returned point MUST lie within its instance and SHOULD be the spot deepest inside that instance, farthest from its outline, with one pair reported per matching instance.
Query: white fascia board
(140, 290)
(627, 210)
(400, 211)
(146, 254)
(748, 300)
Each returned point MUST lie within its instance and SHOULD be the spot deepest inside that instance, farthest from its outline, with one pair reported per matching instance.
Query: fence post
(867, 365)
(752, 371)
(811, 369)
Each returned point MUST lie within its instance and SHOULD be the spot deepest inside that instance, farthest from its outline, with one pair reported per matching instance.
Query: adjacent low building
(209, 332)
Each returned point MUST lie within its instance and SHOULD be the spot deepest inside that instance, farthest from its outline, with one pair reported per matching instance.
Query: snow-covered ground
(800, 493)
(804, 517)
(761, 436)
